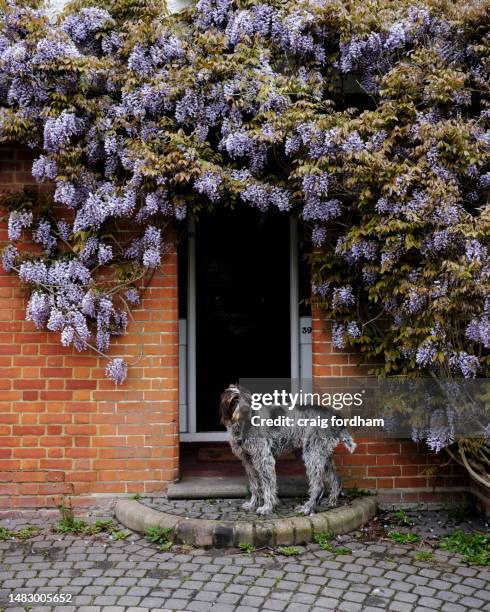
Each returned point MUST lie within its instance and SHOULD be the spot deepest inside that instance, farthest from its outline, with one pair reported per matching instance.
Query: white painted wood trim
(294, 298)
(205, 436)
(191, 326)
(182, 375)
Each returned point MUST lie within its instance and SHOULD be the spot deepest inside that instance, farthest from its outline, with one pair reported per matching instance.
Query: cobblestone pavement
(101, 573)
(227, 509)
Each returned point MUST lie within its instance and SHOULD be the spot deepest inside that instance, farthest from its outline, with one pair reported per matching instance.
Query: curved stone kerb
(273, 532)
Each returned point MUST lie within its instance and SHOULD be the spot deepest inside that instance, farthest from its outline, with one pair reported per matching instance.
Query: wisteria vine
(144, 116)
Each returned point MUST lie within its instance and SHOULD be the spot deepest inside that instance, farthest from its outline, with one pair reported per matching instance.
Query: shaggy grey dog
(257, 450)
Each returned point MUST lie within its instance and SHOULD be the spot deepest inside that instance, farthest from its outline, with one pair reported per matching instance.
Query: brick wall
(64, 428)
(396, 468)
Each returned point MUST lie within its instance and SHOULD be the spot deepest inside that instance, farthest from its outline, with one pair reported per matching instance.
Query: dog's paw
(264, 510)
(249, 505)
(305, 509)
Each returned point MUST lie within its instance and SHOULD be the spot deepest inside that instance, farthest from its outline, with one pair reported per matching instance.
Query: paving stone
(105, 600)
(400, 606)
(198, 606)
(471, 602)
(331, 592)
(310, 588)
(406, 597)
(128, 601)
(133, 575)
(326, 602)
(206, 596)
(401, 586)
(430, 602)
(223, 607)
(463, 589)
(452, 607)
(354, 596)
(176, 604)
(424, 590)
(151, 602)
(483, 594)
(350, 606)
(276, 604)
(258, 591)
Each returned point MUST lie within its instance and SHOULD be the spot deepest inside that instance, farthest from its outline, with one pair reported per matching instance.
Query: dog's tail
(347, 440)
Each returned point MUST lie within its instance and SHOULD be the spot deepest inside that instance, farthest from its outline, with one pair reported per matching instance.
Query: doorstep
(225, 487)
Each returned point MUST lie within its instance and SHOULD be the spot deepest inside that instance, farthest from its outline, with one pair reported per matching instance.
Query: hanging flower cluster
(142, 116)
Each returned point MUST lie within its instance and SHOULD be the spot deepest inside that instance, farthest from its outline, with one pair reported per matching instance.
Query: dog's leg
(314, 460)
(265, 465)
(253, 479)
(332, 482)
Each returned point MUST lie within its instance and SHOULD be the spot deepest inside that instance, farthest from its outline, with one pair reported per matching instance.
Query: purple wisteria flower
(152, 247)
(475, 252)
(117, 370)
(415, 301)
(112, 43)
(85, 23)
(426, 353)
(353, 329)
(18, 220)
(353, 143)
(467, 364)
(362, 249)
(478, 330)
(343, 296)
(294, 36)
(338, 335)
(263, 196)
(212, 13)
(52, 49)
(34, 273)
(59, 131)
(208, 184)
(315, 185)
(104, 254)
(9, 258)
(63, 229)
(484, 182)
(397, 37)
(43, 235)
(44, 169)
(240, 26)
(132, 296)
(38, 309)
(318, 235)
(66, 193)
(321, 289)
(439, 435)
(318, 210)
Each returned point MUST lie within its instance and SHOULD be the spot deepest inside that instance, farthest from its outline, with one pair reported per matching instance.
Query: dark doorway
(242, 303)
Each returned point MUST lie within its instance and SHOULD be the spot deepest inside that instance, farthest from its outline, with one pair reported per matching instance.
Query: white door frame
(188, 409)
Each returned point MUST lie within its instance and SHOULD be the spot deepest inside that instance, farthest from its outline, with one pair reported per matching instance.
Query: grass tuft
(474, 546)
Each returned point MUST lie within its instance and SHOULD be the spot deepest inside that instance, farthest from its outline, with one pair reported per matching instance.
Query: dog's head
(229, 406)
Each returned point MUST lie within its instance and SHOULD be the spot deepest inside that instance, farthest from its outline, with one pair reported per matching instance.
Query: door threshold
(205, 436)
(201, 487)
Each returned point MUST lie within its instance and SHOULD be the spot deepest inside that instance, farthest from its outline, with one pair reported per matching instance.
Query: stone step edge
(205, 487)
(274, 532)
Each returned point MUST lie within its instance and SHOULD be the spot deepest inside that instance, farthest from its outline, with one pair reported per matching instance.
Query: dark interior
(242, 293)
